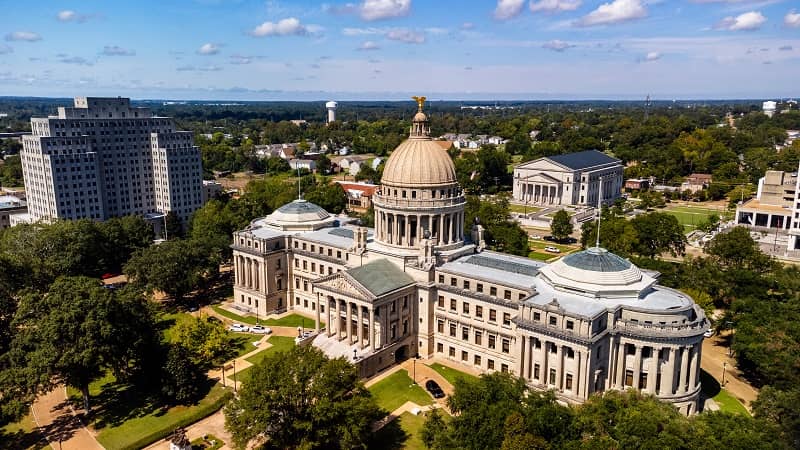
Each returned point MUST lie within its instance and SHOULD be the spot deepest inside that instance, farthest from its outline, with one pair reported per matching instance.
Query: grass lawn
(450, 374)
(127, 419)
(242, 341)
(279, 344)
(540, 244)
(401, 433)
(210, 443)
(396, 389)
(541, 256)
(726, 401)
(522, 209)
(23, 435)
(292, 320)
(690, 217)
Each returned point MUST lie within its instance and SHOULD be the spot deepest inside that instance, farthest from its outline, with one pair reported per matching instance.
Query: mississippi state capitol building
(415, 285)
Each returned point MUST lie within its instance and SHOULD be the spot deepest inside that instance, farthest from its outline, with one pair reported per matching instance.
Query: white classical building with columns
(572, 179)
(416, 285)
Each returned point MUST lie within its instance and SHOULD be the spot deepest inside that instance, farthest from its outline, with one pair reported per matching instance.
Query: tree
(331, 197)
(173, 226)
(780, 408)
(301, 399)
(434, 431)
(658, 233)
(561, 225)
(182, 379)
(213, 225)
(175, 267)
(66, 335)
(738, 249)
(208, 343)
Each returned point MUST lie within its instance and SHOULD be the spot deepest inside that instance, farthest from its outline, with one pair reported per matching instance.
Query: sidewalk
(714, 355)
(59, 425)
(213, 424)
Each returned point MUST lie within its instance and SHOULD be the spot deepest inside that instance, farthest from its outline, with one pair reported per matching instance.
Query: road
(715, 353)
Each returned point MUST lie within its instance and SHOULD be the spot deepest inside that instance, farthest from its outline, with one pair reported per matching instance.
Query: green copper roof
(380, 277)
(597, 260)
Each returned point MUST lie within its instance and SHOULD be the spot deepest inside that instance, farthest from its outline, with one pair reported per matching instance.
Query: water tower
(331, 106)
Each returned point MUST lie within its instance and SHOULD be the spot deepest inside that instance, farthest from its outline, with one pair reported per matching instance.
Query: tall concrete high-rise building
(103, 158)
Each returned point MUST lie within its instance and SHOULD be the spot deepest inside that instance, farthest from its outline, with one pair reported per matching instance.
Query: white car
(239, 328)
(552, 249)
(709, 332)
(260, 329)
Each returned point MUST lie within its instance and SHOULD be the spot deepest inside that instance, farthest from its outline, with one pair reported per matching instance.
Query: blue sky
(387, 49)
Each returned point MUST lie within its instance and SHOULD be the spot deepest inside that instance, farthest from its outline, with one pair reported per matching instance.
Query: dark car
(434, 389)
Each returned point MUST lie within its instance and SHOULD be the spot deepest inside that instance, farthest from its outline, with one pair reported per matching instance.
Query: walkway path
(213, 424)
(715, 353)
(59, 424)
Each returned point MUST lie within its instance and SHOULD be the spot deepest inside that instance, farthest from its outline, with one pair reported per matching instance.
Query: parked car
(192, 307)
(434, 389)
(552, 249)
(709, 332)
(239, 328)
(260, 329)
(212, 319)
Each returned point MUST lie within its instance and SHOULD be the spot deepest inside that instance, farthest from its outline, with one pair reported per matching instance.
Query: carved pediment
(541, 178)
(344, 286)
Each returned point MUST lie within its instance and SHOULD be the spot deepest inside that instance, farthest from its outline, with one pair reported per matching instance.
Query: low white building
(308, 164)
(571, 179)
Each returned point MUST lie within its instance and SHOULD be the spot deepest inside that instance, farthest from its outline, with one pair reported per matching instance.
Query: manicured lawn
(539, 256)
(242, 341)
(396, 389)
(206, 444)
(540, 244)
(690, 217)
(450, 374)
(279, 344)
(127, 419)
(292, 320)
(401, 433)
(521, 209)
(23, 435)
(726, 401)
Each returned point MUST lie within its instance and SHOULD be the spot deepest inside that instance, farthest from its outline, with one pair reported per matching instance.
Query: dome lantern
(420, 126)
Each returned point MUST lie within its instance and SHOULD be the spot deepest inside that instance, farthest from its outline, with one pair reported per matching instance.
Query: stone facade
(414, 285)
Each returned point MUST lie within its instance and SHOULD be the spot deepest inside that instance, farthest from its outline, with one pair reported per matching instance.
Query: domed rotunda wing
(596, 271)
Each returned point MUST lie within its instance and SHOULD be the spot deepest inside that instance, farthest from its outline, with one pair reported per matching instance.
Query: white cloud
(467, 26)
(508, 9)
(28, 36)
(113, 50)
(743, 22)
(67, 15)
(792, 19)
(290, 26)
(406, 35)
(615, 12)
(5, 49)
(554, 6)
(369, 45)
(199, 69)
(208, 49)
(362, 31)
(384, 9)
(77, 60)
(652, 56)
(241, 59)
(557, 45)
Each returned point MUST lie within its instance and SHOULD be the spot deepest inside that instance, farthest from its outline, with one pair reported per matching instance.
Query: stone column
(338, 320)
(408, 230)
(684, 370)
(349, 318)
(621, 355)
(667, 377)
(236, 275)
(257, 270)
(441, 229)
(637, 366)
(317, 317)
(545, 366)
(561, 372)
(693, 366)
(328, 312)
(523, 356)
(372, 340)
(652, 373)
(360, 327)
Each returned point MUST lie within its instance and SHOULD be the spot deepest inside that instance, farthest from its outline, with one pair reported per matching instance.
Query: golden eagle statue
(420, 102)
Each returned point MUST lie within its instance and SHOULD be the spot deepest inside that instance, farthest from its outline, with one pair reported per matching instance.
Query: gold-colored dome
(417, 163)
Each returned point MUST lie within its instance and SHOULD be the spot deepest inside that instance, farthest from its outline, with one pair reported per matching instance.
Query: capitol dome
(418, 161)
(597, 271)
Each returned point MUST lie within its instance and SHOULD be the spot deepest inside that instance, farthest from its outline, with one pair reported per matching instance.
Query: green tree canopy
(561, 225)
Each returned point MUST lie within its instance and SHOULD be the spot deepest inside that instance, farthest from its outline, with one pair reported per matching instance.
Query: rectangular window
(537, 316)
(466, 284)
(441, 279)
(493, 291)
(440, 303)
(477, 360)
(492, 315)
(536, 371)
(452, 329)
(490, 364)
(465, 308)
(647, 352)
(478, 311)
(452, 304)
(507, 294)
(553, 320)
(453, 281)
(552, 376)
(507, 319)
(630, 349)
(440, 348)
(628, 378)
(504, 368)
(492, 340)
(570, 325)
(479, 287)
(568, 382)
(465, 333)
(506, 346)
(452, 352)
(642, 380)
(440, 326)
(464, 356)
(478, 338)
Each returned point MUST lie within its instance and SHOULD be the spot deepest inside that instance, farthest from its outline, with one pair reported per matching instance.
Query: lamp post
(414, 374)
(724, 366)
